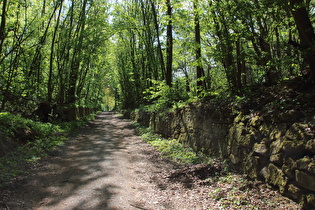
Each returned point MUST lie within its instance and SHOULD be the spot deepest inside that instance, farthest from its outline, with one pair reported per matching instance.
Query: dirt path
(106, 166)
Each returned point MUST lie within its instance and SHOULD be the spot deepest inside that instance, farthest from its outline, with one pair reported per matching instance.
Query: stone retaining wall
(280, 153)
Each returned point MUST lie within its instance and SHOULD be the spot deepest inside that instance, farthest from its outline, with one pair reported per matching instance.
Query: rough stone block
(251, 166)
(264, 172)
(294, 192)
(311, 167)
(264, 129)
(277, 159)
(255, 121)
(276, 177)
(245, 141)
(305, 180)
(310, 146)
(288, 167)
(308, 201)
(276, 134)
(297, 132)
(294, 149)
(261, 148)
(239, 118)
(276, 147)
(303, 163)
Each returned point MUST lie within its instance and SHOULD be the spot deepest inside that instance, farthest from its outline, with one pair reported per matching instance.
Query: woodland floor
(105, 165)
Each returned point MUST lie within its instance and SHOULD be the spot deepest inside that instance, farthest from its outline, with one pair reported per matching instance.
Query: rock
(294, 192)
(277, 132)
(288, 167)
(265, 129)
(276, 177)
(239, 132)
(264, 172)
(308, 201)
(305, 180)
(297, 132)
(311, 167)
(261, 148)
(255, 121)
(276, 158)
(4, 206)
(276, 147)
(310, 198)
(274, 150)
(310, 146)
(273, 175)
(144, 118)
(294, 149)
(307, 164)
(256, 136)
(251, 167)
(246, 141)
(303, 163)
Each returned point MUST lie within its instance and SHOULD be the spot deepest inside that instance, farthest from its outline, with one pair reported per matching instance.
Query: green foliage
(18, 127)
(68, 127)
(172, 149)
(48, 58)
(255, 43)
(32, 141)
(160, 94)
(163, 97)
(177, 151)
(121, 46)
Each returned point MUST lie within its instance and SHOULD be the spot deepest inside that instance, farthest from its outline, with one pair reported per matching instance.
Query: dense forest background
(97, 54)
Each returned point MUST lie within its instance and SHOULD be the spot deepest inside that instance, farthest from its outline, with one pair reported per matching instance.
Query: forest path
(104, 166)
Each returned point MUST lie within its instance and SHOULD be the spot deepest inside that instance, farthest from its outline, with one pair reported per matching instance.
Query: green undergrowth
(69, 127)
(23, 142)
(172, 148)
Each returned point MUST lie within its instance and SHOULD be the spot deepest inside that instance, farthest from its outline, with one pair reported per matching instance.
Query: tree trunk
(199, 70)
(157, 31)
(239, 63)
(52, 50)
(3, 23)
(226, 46)
(169, 44)
(306, 32)
(76, 57)
(35, 67)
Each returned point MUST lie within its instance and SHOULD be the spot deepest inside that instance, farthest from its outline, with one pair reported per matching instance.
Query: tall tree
(157, 32)
(51, 59)
(169, 44)
(76, 60)
(3, 23)
(199, 69)
(306, 32)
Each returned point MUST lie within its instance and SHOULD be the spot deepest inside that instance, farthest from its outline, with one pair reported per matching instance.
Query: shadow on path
(88, 174)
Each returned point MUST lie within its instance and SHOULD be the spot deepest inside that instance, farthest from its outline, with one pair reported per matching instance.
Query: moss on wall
(277, 151)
